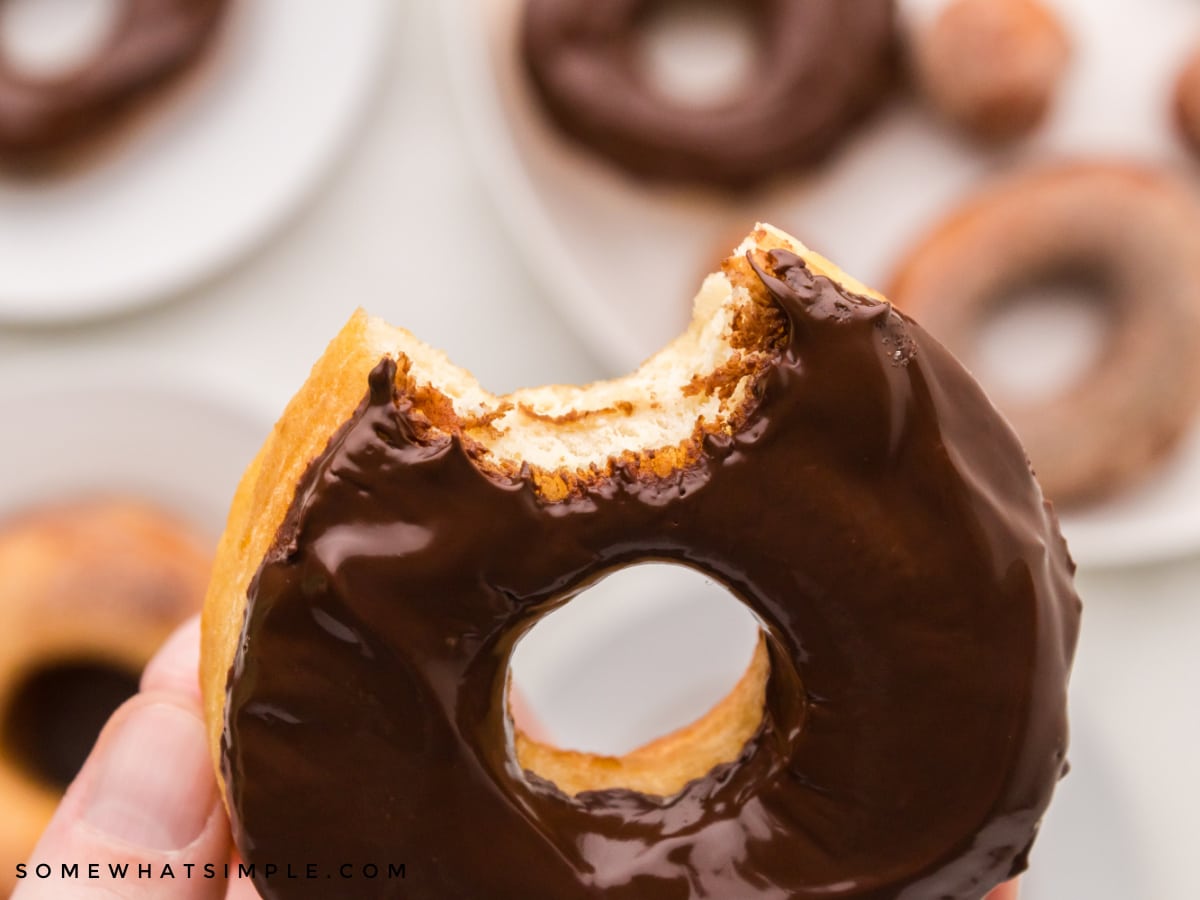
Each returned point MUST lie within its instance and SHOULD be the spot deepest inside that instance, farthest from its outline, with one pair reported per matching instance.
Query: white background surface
(205, 176)
(405, 229)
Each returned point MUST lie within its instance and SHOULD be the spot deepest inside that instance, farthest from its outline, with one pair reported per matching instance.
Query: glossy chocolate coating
(45, 122)
(873, 510)
(822, 66)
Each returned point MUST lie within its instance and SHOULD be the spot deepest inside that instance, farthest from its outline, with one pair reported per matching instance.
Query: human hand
(146, 797)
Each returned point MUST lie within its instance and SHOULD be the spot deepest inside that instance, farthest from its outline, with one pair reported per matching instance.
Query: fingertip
(175, 668)
(145, 797)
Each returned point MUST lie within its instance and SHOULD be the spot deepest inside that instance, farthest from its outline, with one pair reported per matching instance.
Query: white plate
(148, 435)
(621, 259)
(204, 179)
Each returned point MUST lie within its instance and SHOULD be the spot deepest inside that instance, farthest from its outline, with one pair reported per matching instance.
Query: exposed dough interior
(699, 379)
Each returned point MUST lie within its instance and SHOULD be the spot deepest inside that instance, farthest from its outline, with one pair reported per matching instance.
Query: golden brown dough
(91, 589)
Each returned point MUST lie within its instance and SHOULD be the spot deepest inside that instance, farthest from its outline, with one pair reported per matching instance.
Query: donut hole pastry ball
(1129, 239)
(902, 725)
(91, 588)
(1187, 102)
(993, 67)
(51, 119)
(819, 66)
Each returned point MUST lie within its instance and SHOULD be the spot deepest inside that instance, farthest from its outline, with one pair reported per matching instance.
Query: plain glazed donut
(802, 443)
(993, 67)
(823, 65)
(90, 590)
(45, 122)
(1133, 234)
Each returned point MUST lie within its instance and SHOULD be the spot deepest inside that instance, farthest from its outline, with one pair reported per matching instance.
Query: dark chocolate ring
(44, 122)
(871, 508)
(824, 64)
(1132, 237)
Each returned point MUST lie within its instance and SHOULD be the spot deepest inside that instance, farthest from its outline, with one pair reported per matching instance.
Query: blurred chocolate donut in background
(91, 588)
(1124, 238)
(818, 68)
(48, 121)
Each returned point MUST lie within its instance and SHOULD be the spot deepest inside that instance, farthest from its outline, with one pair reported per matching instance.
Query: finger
(1004, 892)
(175, 667)
(144, 808)
(242, 889)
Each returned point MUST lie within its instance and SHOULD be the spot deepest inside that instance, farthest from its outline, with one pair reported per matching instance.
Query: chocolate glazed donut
(865, 501)
(44, 123)
(823, 65)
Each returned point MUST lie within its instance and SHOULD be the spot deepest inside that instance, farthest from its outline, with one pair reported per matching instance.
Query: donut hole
(46, 39)
(697, 53)
(56, 713)
(646, 651)
(1043, 336)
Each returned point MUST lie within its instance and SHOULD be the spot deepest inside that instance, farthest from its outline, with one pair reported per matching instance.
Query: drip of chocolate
(874, 512)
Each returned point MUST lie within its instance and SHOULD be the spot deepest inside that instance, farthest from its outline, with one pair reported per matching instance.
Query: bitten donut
(46, 122)
(822, 66)
(993, 67)
(91, 588)
(898, 735)
(1130, 236)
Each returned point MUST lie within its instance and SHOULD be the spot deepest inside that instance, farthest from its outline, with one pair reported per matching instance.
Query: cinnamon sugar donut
(90, 590)
(898, 734)
(1131, 236)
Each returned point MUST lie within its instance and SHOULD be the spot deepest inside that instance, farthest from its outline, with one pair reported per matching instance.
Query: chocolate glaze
(823, 65)
(873, 510)
(44, 122)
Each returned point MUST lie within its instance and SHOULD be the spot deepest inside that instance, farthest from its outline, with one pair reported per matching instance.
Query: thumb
(143, 818)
